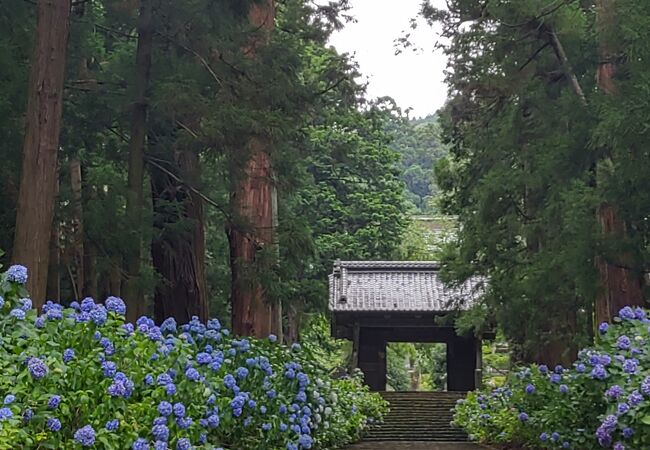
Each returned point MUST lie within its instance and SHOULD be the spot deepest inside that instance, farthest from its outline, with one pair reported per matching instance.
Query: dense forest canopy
(175, 115)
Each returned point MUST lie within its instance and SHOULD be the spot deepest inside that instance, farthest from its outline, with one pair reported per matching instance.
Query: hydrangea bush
(80, 377)
(603, 401)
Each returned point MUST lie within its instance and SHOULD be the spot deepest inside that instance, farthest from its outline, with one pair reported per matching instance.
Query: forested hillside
(419, 144)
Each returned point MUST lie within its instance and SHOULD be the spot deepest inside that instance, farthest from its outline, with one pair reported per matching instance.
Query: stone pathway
(394, 445)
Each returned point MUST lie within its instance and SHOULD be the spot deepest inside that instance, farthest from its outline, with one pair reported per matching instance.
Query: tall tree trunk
(178, 250)
(53, 289)
(253, 200)
(135, 195)
(77, 238)
(294, 312)
(620, 284)
(36, 198)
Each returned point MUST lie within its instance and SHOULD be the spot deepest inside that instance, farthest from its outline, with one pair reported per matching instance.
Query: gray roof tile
(397, 286)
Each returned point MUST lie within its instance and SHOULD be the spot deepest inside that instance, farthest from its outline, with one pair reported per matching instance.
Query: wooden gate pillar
(461, 364)
(372, 359)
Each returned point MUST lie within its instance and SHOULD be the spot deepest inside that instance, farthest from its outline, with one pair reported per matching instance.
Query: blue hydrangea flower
(87, 305)
(627, 313)
(635, 398)
(273, 338)
(116, 305)
(530, 389)
(54, 402)
(543, 437)
(109, 369)
(112, 425)
(85, 436)
(628, 432)
(99, 315)
(17, 313)
(203, 358)
(564, 389)
(9, 399)
(53, 424)
(192, 374)
(25, 304)
(183, 444)
(305, 441)
(122, 386)
(160, 432)
(623, 342)
(242, 372)
(603, 327)
(184, 422)
(5, 413)
(523, 416)
(17, 274)
(39, 322)
(214, 324)
(37, 368)
(598, 372)
(213, 421)
(165, 408)
(53, 311)
(2, 301)
(140, 444)
(229, 381)
(160, 445)
(179, 410)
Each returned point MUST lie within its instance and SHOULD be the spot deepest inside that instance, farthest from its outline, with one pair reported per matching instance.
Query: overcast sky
(414, 80)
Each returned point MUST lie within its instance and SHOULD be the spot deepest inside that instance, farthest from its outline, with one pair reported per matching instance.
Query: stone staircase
(418, 416)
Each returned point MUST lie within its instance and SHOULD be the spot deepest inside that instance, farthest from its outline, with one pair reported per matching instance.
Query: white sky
(413, 79)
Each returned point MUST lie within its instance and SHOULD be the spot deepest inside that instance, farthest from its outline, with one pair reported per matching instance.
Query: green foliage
(530, 161)
(419, 367)
(197, 361)
(601, 401)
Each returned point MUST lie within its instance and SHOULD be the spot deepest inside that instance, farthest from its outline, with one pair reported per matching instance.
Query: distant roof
(368, 286)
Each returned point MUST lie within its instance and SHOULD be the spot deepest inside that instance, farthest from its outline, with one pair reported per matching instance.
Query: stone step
(418, 416)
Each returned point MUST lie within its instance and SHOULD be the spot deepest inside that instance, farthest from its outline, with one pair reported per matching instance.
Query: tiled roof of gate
(368, 286)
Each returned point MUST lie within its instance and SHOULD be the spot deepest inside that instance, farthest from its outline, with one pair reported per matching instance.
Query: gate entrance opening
(416, 367)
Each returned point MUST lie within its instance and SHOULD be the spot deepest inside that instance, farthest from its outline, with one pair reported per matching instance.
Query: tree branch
(533, 56)
(178, 179)
(564, 61)
(203, 61)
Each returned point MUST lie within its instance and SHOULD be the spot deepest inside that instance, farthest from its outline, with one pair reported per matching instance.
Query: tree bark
(178, 250)
(135, 195)
(253, 200)
(53, 289)
(77, 238)
(620, 284)
(252, 313)
(36, 198)
(294, 320)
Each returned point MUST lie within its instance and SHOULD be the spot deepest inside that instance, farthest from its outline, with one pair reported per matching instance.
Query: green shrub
(603, 401)
(80, 377)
